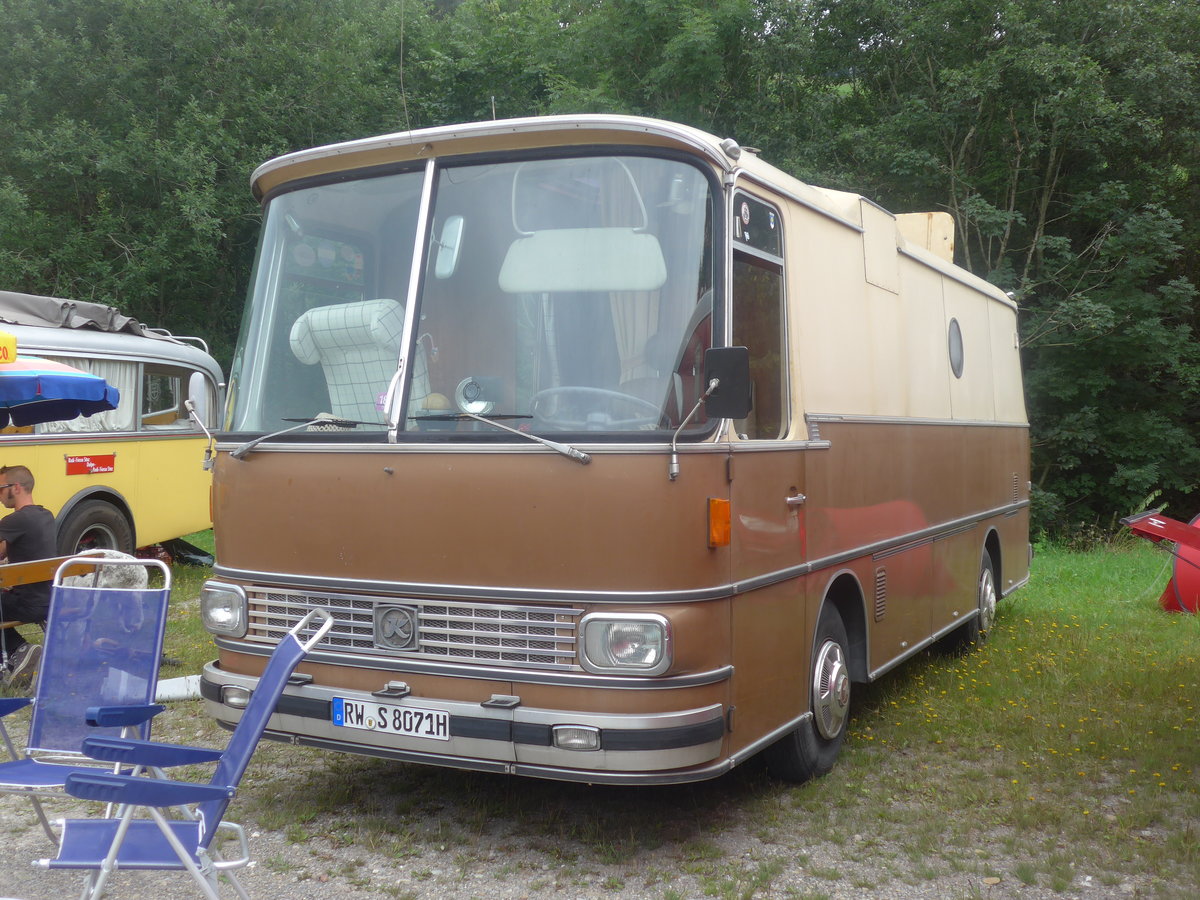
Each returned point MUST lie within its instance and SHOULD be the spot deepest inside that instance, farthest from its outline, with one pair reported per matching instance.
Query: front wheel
(813, 747)
(95, 525)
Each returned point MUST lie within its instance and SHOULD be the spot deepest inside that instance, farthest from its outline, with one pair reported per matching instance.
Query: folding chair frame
(83, 840)
(42, 771)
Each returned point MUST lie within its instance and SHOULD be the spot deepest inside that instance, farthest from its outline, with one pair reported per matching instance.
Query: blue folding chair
(102, 846)
(102, 651)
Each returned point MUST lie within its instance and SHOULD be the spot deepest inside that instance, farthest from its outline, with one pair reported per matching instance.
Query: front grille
(485, 633)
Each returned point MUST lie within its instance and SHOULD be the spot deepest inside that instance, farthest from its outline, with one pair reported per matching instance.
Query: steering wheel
(548, 406)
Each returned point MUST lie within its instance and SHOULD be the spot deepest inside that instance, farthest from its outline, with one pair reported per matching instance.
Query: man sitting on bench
(27, 533)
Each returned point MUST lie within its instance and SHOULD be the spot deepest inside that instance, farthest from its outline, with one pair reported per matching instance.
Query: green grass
(1069, 736)
(187, 646)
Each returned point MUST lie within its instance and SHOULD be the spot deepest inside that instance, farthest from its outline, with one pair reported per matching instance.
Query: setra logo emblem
(396, 627)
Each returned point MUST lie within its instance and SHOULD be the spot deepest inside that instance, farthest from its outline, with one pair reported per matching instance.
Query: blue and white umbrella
(39, 390)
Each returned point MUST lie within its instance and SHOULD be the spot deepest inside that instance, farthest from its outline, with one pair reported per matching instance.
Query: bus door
(770, 629)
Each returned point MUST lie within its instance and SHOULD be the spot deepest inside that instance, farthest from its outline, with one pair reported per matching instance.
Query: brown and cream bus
(616, 453)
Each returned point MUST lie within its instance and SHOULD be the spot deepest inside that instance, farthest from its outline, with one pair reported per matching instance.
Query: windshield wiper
(324, 419)
(565, 449)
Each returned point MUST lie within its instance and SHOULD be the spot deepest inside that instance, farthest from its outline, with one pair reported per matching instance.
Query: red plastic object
(1183, 590)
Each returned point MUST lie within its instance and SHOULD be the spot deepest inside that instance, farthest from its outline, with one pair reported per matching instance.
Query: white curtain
(635, 318)
(121, 375)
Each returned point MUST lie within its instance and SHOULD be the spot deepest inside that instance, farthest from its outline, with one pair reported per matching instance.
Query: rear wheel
(812, 748)
(95, 525)
(975, 631)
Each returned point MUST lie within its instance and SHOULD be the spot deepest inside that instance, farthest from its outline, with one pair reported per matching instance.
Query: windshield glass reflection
(558, 295)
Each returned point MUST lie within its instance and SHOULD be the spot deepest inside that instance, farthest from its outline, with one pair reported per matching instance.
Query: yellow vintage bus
(618, 454)
(133, 476)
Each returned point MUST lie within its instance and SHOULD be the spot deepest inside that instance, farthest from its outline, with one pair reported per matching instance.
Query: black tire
(976, 630)
(95, 525)
(813, 747)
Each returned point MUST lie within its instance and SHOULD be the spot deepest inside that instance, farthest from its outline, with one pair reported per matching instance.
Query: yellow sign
(8, 347)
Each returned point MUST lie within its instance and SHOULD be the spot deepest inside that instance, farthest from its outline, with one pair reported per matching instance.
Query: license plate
(408, 721)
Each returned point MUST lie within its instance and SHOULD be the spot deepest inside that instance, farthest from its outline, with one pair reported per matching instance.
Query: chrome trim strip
(928, 539)
(623, 778)
(904, 548)
(921, 645)
(550, 773)
(435, 759)
(700, 715)
(1020, 584)
(703, 773)
(500, 447)
(491, 673)
(506, 594)
(933, 532)
(491, 447)
(543, 595)
(94, 438)
(773, 446)
(906, 420)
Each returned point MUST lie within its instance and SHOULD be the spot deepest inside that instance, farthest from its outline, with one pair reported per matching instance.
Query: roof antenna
(493, 107)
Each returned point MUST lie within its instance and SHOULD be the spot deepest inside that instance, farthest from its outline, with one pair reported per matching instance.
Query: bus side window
(120, 374)
(163, 392)
(758, 324)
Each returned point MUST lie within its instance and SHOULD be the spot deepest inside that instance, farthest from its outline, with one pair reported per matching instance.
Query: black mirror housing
(730, 366)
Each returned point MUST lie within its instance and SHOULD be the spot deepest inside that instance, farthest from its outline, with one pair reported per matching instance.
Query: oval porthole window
(956, 349)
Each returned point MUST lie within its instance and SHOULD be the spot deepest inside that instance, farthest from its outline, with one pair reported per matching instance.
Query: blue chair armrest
(12, 704)
(146, 753)
(142, 791)
(121, 716)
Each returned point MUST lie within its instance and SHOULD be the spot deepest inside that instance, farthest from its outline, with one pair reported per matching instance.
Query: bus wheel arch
(96, 521)
(992, 545)
(811, 749)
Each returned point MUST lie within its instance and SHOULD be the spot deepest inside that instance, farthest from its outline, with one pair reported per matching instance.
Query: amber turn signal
(718, 522)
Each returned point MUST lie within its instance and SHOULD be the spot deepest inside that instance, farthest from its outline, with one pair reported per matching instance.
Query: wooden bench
(32, 572)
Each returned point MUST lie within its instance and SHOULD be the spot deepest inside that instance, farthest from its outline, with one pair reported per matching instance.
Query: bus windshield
(556, 295)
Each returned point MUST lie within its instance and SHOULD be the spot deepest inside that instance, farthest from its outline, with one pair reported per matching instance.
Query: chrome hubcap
(987, 600)
(831, 690)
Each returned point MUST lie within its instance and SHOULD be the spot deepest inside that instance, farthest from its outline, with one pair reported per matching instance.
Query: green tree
(1062, 139)
(132, 127)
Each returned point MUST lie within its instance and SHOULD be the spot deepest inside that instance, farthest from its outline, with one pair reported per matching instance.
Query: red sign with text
(91, 465)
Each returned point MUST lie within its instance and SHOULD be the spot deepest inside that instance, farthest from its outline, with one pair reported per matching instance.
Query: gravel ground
(327, 826)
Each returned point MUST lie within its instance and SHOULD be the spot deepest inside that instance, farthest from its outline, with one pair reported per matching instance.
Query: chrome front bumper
(499, 734)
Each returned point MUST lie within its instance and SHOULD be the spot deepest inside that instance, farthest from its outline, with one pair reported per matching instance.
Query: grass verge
(1065, 743)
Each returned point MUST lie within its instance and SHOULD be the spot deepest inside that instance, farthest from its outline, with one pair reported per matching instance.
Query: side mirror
(197, 406)
(448, 246)
(730, 366)
(198, 398)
